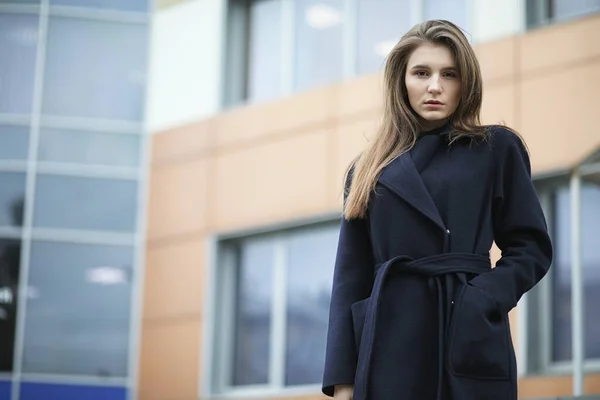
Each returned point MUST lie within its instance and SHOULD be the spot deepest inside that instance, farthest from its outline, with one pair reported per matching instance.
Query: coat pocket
(479, 337)
(359, 311)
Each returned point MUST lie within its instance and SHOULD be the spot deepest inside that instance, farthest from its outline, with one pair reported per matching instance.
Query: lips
(434, 102)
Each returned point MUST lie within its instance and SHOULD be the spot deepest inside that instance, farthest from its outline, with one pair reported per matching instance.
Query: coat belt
(440, 270)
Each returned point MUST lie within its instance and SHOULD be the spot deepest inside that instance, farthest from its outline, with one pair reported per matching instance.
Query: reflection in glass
(12, 198)
(85, 147)
(77, 319)
(18, 45)
(453, 10)
(264, 72)
(253, 312)
(319, 42)
(380, 23)
(311, 256)
(120, 5)
(561, 270)
(85, 203)
(566, 9)
(14, 142)
(108, 82)
(10, 262)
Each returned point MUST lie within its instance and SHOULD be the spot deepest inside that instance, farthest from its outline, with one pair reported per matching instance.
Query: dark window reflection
(120, 5)
(12, 198)
(14, 142)
(311, 256)
(78, 309)
(590, 231)
(86, 147)
(253, 312)
(10, 261)
(566, 9)
(18, 46)
(85, 203)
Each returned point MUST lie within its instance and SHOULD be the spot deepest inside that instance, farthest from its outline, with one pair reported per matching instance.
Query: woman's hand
(343, 392)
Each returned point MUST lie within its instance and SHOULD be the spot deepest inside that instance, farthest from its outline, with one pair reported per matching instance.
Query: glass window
(77, 319)
(264, 54)
(380, 24)
(108, 82)
(48, 391)
(311, 256)
(10, 264)
(14, 142)
(121, 5)
(452, 10)
(319, 42)
(85, 147)
(85, 203)
(253, 313)
(561, 285)
(12, 198)
(566, 9)
(18, 46)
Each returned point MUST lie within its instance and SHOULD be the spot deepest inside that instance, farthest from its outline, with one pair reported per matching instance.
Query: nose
(435, 86)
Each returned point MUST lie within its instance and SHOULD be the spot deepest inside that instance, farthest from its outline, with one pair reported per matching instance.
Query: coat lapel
(402, 177)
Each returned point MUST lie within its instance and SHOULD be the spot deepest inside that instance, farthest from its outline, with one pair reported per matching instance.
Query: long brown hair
(400, 125)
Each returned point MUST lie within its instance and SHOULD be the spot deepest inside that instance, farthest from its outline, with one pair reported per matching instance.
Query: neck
(431, 125)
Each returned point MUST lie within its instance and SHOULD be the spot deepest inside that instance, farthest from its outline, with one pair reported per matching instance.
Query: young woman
(417, 312)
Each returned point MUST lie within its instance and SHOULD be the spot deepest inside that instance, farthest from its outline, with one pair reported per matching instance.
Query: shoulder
(506, 141)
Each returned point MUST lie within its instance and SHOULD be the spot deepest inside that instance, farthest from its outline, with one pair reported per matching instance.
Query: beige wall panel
(499, 105)
(362, 94)
(184, 141)
(169, 361)
(557, 115)
(497, 60)
(178, 199)
(553, 386)
(174, 276)
(160, 4)
(246, 124)
(349, 139)
(559, 45)
(272, 182)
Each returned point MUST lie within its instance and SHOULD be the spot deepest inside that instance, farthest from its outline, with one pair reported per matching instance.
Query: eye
(421, 73)
(450, 75)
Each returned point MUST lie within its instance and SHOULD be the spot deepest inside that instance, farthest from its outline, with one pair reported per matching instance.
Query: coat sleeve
(352, 282)
(520, 229)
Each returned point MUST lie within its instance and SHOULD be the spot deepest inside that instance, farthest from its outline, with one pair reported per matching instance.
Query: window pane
(85, 203)
(319, 42)
(452, 10)
(311, 256)
(84, 147)
(590, 229)
(565, 9)
(18, 45)
(48, 391)
(10, 264)
(122, 5)
(14, 142)
(253, 312)
(12, 198)
(590, 232)
(77, 319)
(264, 56)
(95, 69)
(380, 24)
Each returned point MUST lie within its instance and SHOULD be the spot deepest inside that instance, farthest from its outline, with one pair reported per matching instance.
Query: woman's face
(433, 84)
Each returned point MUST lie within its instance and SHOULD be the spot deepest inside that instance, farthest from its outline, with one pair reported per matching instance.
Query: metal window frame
(218, 319)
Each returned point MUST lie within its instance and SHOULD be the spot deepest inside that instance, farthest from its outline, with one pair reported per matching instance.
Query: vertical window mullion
(417, 12)
(350, 40)
(578, 337)
(278, 317)
(288, 47)
(226, 332)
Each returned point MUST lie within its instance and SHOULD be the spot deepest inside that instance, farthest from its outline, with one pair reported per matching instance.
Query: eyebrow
(421, 66)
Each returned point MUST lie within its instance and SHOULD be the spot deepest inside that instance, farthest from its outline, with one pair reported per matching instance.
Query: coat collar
(402, 177)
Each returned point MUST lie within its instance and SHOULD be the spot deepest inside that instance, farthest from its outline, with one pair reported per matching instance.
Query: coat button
(447, 231)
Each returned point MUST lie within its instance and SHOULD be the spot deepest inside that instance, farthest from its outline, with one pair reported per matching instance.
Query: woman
(417, 312)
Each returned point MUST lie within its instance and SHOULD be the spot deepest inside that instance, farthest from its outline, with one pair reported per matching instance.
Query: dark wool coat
(417, 312)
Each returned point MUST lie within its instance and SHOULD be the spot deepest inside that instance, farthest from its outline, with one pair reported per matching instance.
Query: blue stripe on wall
(46, 391)
(5, 387)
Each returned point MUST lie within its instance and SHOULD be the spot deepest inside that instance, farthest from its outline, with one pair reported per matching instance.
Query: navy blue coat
(417, 312)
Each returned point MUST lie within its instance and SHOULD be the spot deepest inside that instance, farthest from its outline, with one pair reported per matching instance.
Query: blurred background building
(171, 176)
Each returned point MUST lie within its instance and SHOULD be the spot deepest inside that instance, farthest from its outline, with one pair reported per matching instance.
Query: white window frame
(218, 332)
(535, 356)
